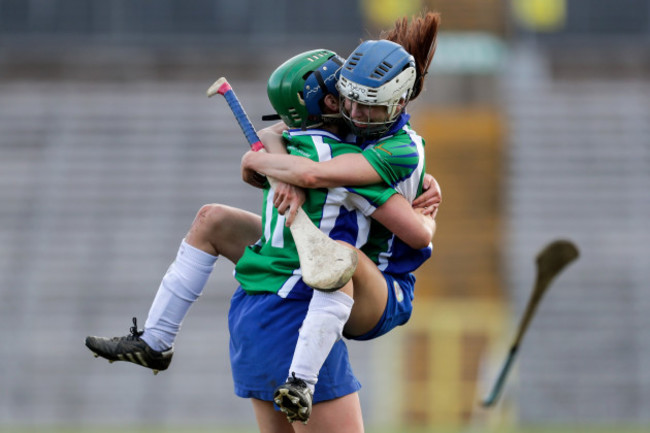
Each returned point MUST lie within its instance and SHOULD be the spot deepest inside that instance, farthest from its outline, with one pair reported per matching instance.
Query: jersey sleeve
(368, 198)
(365, 198)
(394, 158)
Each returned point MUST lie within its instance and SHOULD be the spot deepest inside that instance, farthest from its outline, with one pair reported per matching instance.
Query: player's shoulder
(401, 138)
(311, 134)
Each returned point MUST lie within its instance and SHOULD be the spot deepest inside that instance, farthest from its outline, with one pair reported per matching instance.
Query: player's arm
(411, 225)
(271, 138)
(350, 169)
(431, 197)
(287, 197)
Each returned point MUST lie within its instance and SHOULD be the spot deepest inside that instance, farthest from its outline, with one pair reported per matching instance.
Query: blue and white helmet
(378, 72)
(321, 82)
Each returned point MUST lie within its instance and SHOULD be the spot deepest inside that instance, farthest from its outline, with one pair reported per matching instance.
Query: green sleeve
(394, 159)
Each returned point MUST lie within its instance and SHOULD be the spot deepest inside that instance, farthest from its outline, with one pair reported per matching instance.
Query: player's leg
(216, 230)
(270, 420)
(222, 230)
(266, 323)
(382, 301)
(328, 315)
(321, 328)
(339, 415)
(370, 297)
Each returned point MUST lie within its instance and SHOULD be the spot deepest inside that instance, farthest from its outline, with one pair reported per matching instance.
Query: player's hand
(431, 197)
(287, 200)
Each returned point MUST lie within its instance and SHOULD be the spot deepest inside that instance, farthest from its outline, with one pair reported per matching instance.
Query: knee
(211, 216)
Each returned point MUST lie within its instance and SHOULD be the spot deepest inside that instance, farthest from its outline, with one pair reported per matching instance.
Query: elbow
(424, 236)
(422, 242)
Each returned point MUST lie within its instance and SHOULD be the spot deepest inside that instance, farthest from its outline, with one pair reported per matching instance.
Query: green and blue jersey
(272, 264)
(399, 159)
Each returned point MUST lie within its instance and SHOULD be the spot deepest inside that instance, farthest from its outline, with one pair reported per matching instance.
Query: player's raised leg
(216, 230)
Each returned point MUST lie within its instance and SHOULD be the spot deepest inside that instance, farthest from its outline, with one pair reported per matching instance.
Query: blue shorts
(398, 307)
(263, 335)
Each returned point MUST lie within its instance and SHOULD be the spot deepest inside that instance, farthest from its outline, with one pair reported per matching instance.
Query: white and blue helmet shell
(379, 72)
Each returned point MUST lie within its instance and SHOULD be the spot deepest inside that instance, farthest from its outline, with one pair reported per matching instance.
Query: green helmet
(287, 84)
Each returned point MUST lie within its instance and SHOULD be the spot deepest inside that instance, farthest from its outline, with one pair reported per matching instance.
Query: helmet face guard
(370, 122)
(297, 105)
(377, 73)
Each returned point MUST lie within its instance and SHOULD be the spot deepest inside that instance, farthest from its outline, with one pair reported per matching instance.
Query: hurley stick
(325, 264)
(550, 262)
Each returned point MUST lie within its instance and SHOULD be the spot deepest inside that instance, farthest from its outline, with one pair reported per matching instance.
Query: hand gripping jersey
(399, 158)
(272, 264)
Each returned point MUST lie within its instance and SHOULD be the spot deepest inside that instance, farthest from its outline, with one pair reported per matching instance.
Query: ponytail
(419, 39)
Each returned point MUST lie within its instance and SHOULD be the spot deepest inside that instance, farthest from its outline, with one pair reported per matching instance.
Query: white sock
(322, 327)
(180, 287)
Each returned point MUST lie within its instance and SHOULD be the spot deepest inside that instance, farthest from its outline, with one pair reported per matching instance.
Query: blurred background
(536, 117)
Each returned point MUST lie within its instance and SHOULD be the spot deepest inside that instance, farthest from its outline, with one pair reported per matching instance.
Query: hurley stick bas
(325, 264)
(551, 260)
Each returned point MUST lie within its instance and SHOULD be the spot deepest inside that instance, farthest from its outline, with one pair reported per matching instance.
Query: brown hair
(418, 38)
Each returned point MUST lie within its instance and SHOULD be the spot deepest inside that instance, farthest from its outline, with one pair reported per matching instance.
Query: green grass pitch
(221, 429)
